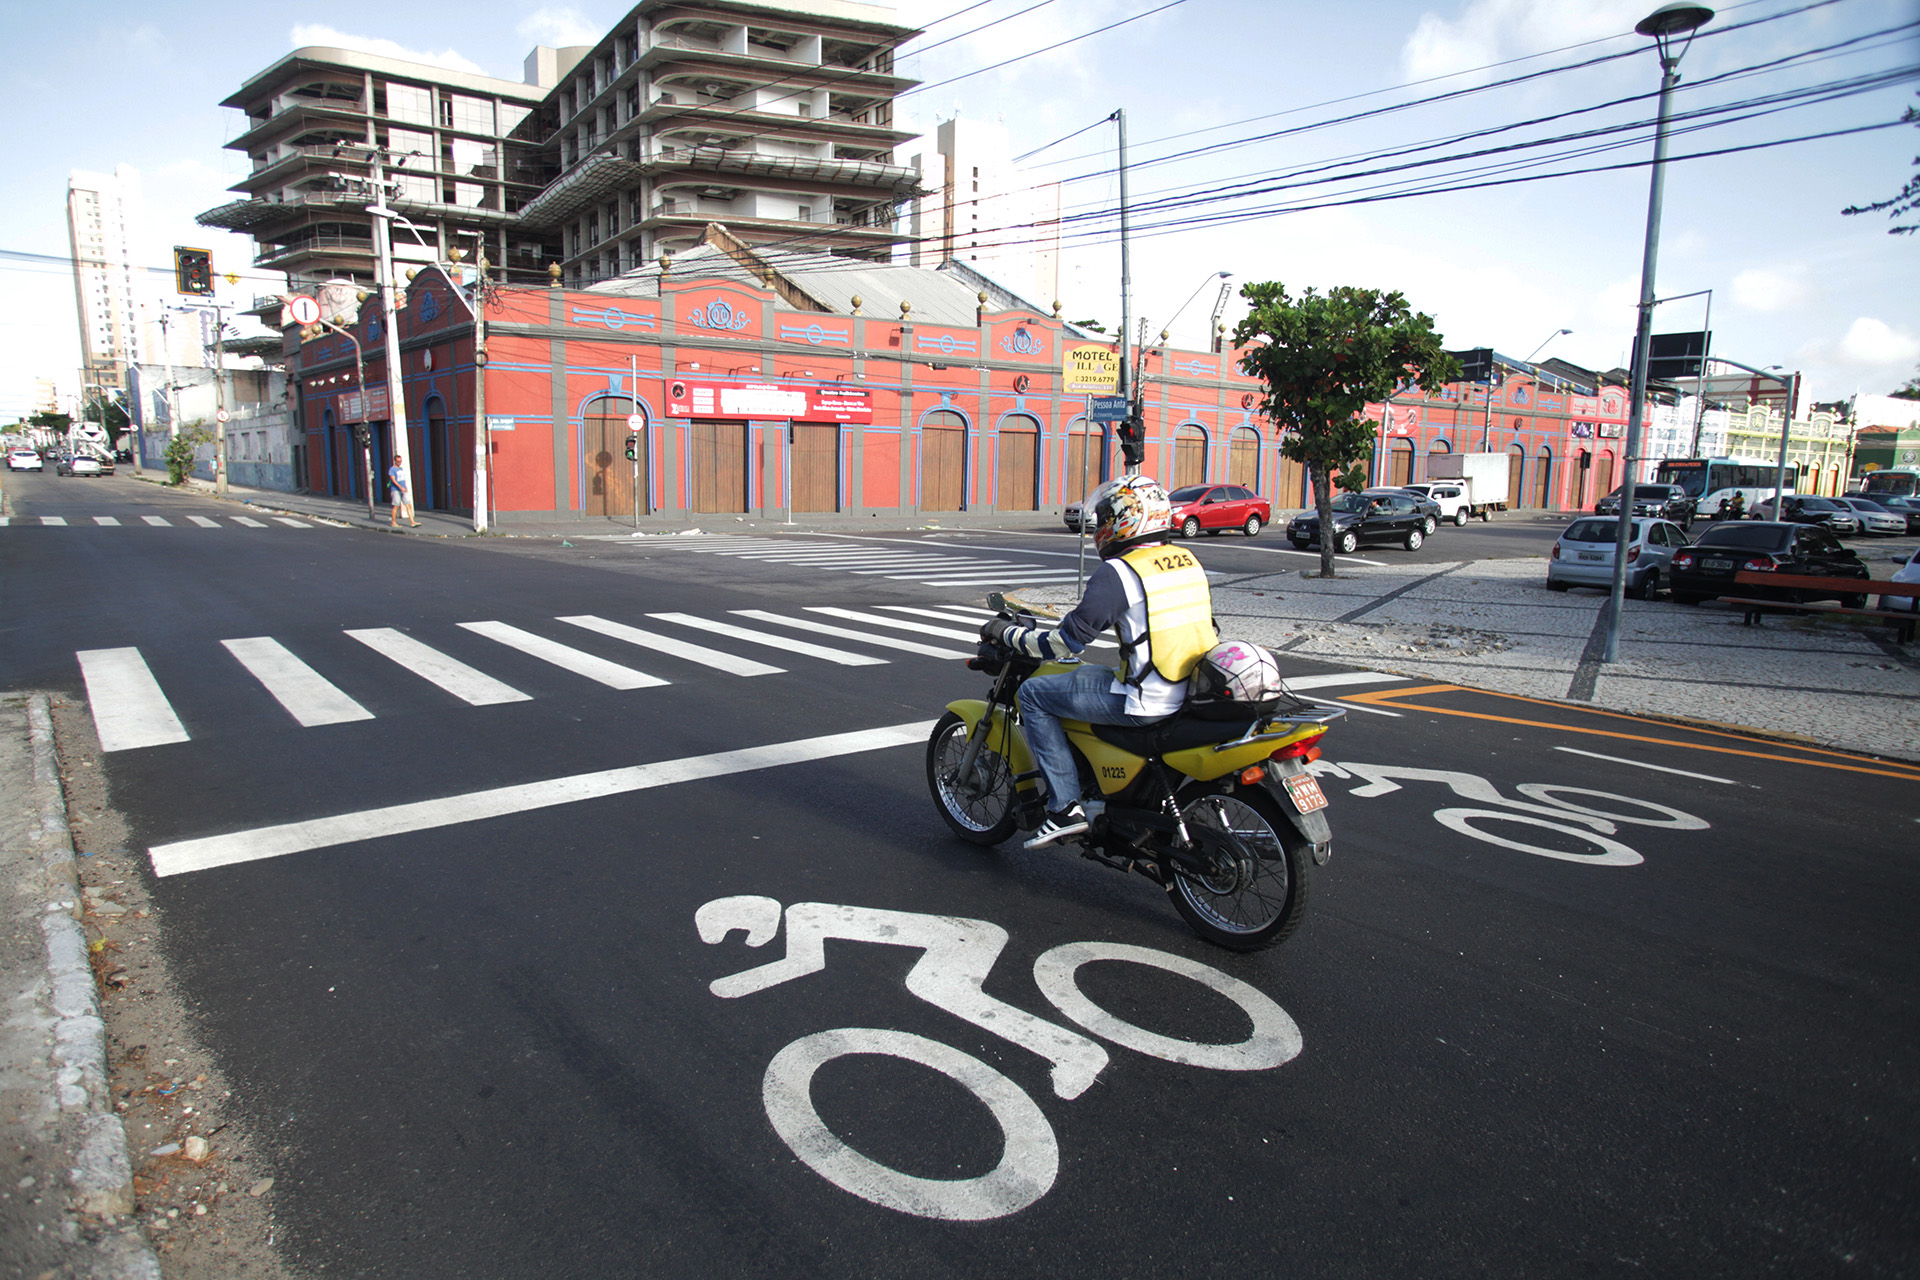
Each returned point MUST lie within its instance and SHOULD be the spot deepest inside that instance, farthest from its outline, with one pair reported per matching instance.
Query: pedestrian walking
(397, 487)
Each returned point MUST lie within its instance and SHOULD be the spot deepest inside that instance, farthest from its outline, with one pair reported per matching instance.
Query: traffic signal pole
(389, 312)
(1126, 286)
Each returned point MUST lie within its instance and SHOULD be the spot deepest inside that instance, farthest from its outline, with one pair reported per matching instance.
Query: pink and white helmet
(1237, 671)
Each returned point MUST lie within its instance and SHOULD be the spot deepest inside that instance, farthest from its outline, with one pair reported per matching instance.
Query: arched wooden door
(719, 466)
(1400, 463)
(1189, 456)
(439, 456)
(1516, 468)
(609, 476)
(1543, 478)
(1018, 487)
(1086, 460)
(1293, 484)
(943, 461)
(1243, 458)
(816, 466)
(1602, 479)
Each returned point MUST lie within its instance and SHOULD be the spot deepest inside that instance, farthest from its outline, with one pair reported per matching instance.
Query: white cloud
(314, 33)
(1488, 31)
(1871, 343)
(559, 26)
(1770, 292)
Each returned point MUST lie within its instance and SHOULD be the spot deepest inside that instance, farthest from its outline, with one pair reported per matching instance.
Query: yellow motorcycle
(1214, 803)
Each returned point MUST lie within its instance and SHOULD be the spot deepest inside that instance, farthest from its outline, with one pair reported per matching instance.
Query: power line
(1034, 53)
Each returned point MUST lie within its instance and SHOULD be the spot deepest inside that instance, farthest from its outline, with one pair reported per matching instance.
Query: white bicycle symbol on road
(950, 976)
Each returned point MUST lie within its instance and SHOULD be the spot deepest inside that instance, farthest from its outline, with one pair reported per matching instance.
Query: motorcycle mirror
(998, 603)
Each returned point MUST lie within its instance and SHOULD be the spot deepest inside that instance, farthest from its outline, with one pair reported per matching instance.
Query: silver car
(1873, 517)
(1583, 555)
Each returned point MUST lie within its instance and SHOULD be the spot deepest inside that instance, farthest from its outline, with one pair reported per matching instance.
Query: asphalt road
(449, 952)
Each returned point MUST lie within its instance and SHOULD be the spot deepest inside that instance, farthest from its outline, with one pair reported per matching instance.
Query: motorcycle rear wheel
(983, 819)
(1259, 895)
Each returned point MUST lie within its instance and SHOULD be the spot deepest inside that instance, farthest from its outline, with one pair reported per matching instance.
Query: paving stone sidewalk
(1492, 624)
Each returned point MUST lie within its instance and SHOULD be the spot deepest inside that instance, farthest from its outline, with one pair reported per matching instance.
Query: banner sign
(353, 406)
(1090, 367)
(739, 398)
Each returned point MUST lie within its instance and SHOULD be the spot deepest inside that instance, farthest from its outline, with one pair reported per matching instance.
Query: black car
(1362, 518)
(1705, 569)
(1657, 501)
(1802, 508)
(1429, 508)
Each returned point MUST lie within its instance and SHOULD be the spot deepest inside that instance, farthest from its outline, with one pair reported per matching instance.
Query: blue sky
(1795, 284)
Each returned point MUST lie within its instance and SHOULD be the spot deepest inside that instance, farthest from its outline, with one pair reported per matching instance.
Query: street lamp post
(1663, 25)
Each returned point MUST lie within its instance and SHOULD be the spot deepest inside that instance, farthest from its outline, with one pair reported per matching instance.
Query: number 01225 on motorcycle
(1304, 790)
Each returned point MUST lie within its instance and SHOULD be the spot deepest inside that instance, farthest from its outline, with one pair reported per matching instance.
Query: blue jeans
(1084, 693)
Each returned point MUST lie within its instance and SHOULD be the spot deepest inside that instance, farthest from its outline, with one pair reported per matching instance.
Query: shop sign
(739, 398)
(368, 406)
(1090, 367)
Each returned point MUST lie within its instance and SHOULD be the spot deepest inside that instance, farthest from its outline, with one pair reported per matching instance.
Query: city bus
(1894, 482)
(1709, 480)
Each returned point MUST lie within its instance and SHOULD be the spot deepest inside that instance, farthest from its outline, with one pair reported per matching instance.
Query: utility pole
(1126, 287)
(482, 438)
(219, 401)
(166, 352)
(389, 310)
(1786, 429)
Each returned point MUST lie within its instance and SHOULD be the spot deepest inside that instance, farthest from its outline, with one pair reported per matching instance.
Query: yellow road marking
(1396, 697)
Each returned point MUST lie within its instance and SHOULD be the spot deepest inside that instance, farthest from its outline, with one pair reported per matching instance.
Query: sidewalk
(1492, 624)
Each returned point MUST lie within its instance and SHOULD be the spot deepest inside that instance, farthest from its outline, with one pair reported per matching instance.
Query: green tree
(1909, 392)
(180, 451)
(57, 422)
(1324, 358)
(1902, 202)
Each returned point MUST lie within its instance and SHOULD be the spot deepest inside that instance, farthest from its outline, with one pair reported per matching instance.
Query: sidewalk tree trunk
(1324, 358)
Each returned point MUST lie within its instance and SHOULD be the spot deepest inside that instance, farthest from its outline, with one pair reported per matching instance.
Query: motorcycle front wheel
(1256, 893)
(980, 809)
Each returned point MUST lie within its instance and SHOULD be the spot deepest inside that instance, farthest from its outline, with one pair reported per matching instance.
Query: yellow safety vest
(1179, 612)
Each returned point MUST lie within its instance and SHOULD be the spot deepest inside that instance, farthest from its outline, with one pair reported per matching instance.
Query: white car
(24, 460)
(1450, 494)
(1908, 572)
(1874, 518)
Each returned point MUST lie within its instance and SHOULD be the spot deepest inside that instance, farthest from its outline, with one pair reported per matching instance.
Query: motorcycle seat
(1194, 725)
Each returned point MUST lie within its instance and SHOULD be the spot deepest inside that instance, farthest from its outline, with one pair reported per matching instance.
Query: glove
(995, 629)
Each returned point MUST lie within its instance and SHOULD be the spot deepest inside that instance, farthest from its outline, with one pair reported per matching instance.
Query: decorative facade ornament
(720, 317)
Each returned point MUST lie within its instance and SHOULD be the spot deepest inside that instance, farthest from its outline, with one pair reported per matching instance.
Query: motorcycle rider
(1155, 598)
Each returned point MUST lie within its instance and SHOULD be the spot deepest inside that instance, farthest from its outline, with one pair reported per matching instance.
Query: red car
(1219, 507)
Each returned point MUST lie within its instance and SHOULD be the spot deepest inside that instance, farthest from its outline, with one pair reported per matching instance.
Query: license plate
(1716, 565)
(1591, 555)
(1304, 790)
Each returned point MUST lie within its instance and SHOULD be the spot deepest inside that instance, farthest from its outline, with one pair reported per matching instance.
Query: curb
(102, 1170)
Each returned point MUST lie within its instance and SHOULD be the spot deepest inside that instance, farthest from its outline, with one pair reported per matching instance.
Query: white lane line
(784, 643)
(898, 624)
(954, 610)
(1005, 578)
(307, 695)
(475, 688)
(1354, 706)
(426, 815)
(128, 708)
(1332, 678)
(1642, 764)
(249, 521)
(718, 659)
(158, 521)
(848, 633)
(107, 520)
(57, 521)
(291, 523)
(567, 658)
(204, 523)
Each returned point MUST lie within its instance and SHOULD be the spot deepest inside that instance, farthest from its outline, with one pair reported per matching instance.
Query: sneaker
(1070, 821)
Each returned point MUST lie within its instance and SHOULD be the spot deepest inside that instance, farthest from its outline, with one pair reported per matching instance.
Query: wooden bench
(1902, 620)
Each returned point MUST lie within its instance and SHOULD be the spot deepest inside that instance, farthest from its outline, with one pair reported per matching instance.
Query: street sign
(1107, 408)
(635, 421)
(499, 422)
(303, 309)
(1090, 367)
(221, 415)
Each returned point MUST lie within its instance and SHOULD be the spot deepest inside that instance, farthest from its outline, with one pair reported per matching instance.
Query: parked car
(1908, 572)
(1656, 501)
(1450, 496)
(1217, 508)
(1873, 517)
(1907, 508)
(1705, 569)
(77, 464)
(1583, 555)
(1429, 509)
(1360, 519)
(1803, 508)
(24, 460)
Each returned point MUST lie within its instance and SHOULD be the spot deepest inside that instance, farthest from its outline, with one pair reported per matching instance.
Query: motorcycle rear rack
(1322, 715)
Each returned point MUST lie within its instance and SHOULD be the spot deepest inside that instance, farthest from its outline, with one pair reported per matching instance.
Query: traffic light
(633, 447)
(192, 271)
(1133, 441)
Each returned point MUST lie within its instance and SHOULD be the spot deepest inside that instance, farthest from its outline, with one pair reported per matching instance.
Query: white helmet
(1128, 510)
(1237, 671)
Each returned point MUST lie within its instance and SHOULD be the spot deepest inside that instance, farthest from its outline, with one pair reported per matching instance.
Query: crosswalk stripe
(291, 523)
(715, 658)
(476, 688)
(950, 565)
(847, 562)
(848, 633)
(1330, 679)
(1007, 577)
(566, 657)
(306, 694)
(158, 521)
(106, 520)
(785, 643)
(57, 521)
(129, 710)
(898, 624)
(948, 613)
(249, 521)
(204, 523)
